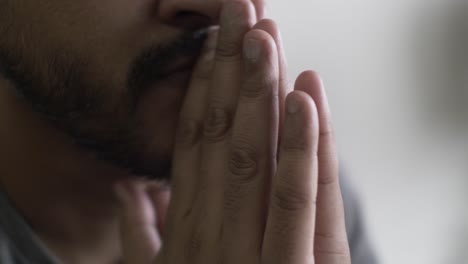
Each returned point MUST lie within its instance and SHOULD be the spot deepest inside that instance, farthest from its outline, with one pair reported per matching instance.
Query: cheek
(158, 112)
(82, 31)
(107, 34)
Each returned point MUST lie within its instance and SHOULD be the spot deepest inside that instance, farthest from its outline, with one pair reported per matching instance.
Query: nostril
(191, 20)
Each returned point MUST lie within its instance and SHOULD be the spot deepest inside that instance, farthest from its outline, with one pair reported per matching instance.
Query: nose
(195, 14)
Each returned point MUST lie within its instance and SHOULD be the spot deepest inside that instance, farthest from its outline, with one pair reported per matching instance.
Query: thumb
(140, 239)
(160, 196)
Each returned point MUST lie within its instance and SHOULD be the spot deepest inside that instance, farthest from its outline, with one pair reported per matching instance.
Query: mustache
(153, 63)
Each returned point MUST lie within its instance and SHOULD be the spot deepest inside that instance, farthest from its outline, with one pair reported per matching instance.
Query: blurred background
(397, 78)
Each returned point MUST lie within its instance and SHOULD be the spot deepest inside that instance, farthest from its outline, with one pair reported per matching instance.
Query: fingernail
(252, 49)
(293, 132)
(292, 105)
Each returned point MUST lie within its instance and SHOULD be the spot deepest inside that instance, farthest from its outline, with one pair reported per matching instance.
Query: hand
(236, 197)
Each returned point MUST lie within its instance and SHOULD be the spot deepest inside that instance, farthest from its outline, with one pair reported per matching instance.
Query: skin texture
(87, 82)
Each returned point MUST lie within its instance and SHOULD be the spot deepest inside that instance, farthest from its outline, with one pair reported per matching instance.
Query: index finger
(140, 239)
(237, 19)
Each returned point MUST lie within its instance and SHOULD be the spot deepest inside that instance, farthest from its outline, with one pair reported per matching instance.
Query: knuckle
(295, 144)
(282, 227)
(327, 132)
(229, 43)
(242, 163)
(217, 124)
(231, 202)
(193, 245)
(202, 73)
(242, 168)
(260, 85)
(284, 81)
(326, 236)
(227, 50)
(328, 179)
(330, 246)
(289, 199)
(188, 132)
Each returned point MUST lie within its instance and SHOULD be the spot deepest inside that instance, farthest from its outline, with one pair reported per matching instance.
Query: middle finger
(252, 160)
(237, 17)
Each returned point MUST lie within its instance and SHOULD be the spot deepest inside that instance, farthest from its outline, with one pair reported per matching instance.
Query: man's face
(111, 73)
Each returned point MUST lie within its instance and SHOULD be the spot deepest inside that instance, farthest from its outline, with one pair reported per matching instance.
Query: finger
(331, 245)
(186, 159)
(202, 243)
(190, 123)
(289, 236)
(237, 17)
(271, 27)
(260, 7)
(160, 195)
(140, 239)
(253, 151)
(187, 144)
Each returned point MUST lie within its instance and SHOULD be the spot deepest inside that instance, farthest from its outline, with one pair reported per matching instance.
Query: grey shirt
(19, 244)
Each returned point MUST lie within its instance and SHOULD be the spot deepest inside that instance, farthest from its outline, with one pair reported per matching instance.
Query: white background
(396, 73)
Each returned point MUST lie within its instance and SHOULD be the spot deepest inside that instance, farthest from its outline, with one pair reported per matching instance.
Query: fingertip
(308, 78)
(309, 109)
(268, 25)
(260, 8)
(265, 45)
(310, 82)
(304, 101)
(259, 34)
(301, 123)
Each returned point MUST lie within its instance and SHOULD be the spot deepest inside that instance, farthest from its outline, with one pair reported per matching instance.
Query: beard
(96, 117)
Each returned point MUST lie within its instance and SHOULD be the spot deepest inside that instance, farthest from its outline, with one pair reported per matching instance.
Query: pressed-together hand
(239, 194)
